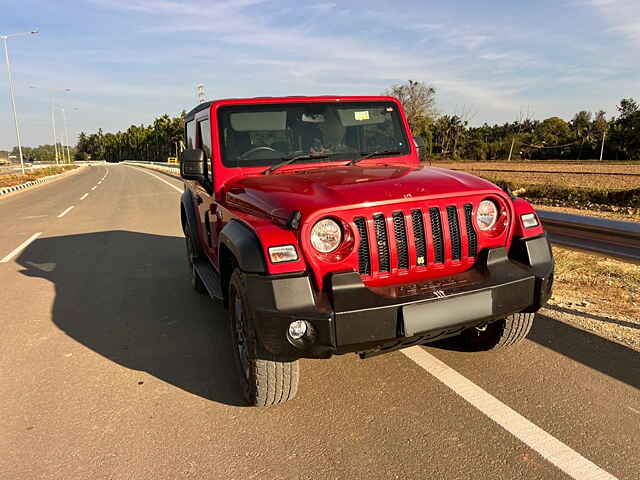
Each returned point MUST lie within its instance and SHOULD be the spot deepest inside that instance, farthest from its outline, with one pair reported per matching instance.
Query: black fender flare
(191, 222)
(244, 245)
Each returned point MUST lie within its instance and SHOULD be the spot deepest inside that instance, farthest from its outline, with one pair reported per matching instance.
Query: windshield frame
(222, 112)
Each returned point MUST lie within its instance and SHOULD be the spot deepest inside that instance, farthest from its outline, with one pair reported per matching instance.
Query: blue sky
(127, 61)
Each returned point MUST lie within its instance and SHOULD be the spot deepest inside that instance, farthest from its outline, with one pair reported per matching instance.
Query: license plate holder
(448, 312)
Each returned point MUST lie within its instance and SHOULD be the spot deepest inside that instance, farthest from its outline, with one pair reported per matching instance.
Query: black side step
(210, 278)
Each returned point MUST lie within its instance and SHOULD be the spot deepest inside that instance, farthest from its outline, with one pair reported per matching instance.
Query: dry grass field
(581, 175)
(573, 167)
(18, 179)
(580, 280)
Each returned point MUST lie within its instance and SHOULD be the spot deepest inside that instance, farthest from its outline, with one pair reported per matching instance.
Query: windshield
(263, 135)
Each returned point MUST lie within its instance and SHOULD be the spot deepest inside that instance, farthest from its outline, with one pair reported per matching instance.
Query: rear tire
(266, 381)
(500, 334)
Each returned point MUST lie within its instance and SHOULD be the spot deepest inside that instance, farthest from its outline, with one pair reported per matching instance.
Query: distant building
(4, 157)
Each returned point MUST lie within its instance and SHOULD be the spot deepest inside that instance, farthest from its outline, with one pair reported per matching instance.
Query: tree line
(155, 142)
(450, 136)
(446, 135)
(44, 153)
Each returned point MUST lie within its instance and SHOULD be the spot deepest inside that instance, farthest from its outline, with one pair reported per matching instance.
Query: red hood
(276, 196)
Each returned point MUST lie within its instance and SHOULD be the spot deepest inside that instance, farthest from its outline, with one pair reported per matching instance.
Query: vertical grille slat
(417, 222)
(382, 242)
(400, 232)
(472, 236)
(436, 232)
(364, 262)
(454, 232)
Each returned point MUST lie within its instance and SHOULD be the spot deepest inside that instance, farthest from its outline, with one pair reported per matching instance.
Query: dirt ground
(572, 167)
(599, 294)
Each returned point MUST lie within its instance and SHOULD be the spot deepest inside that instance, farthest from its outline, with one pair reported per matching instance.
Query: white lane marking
(93, 188)
(66, 211)
(99, 182)
(161, 179)
(20, 247)
(84, 196)
(556, 452)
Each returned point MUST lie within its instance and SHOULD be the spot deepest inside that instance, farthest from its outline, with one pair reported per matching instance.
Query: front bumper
(354, 318)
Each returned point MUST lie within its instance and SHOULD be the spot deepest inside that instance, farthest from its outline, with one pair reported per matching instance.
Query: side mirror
(420, 145)
(192, 165)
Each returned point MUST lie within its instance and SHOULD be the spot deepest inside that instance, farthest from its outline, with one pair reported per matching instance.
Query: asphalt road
(112, 367)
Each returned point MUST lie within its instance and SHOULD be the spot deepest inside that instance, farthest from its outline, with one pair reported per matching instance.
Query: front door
(204, 193)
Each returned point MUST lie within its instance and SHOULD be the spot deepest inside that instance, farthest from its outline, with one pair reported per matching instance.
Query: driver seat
(239, 142)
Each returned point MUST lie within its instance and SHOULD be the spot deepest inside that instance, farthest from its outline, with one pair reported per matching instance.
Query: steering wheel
(249, 153)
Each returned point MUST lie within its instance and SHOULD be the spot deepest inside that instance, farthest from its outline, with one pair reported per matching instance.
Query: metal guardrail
(173, 167)
(611, 237)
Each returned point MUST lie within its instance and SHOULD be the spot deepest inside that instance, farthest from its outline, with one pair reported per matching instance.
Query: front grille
(424, 244)
(472, 236)
(417, 222)
(454, 232)
(400, 232)
(382, 242)
(364, 265)
(436, 232)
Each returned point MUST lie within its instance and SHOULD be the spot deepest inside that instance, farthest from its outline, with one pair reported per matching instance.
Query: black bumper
(354, 318)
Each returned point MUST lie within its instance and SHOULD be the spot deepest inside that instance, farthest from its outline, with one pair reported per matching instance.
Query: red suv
(315, 223)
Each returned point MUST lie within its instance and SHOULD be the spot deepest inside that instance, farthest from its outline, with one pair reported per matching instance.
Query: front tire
(265, 381)
(500, 334)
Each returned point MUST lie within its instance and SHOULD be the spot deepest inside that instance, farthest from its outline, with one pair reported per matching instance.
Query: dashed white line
(99, 182)
(556, 452)
(93, 188)
(161, 179)
(20, 247)
(84, 196)
(66, 211)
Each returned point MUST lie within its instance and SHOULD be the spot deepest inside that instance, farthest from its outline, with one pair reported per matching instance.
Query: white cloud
(622, 15)
(318, 60)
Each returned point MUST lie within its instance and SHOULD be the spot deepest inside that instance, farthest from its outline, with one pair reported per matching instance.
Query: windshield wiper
(288, 161)
(377, 153)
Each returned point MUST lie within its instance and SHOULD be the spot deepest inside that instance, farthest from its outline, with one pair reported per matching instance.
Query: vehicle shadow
(128, 297)
(594, 351)
(610, 358)
(591, 316)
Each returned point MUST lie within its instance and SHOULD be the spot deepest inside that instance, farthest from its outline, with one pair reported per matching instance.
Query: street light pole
(52, 92)
(53, 124)
(11, 93)
(66, 134)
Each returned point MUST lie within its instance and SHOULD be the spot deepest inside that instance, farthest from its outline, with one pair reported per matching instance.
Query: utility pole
(513, 141)
(11, 92)
(604, 133)
(200, 93)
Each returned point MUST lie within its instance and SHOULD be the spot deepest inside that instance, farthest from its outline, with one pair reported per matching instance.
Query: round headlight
(486, 215)
(326, 235)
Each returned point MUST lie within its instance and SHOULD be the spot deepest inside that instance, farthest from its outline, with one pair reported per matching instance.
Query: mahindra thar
(313, 220)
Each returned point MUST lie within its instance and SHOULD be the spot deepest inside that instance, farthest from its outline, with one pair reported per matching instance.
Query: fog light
(297, 329)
